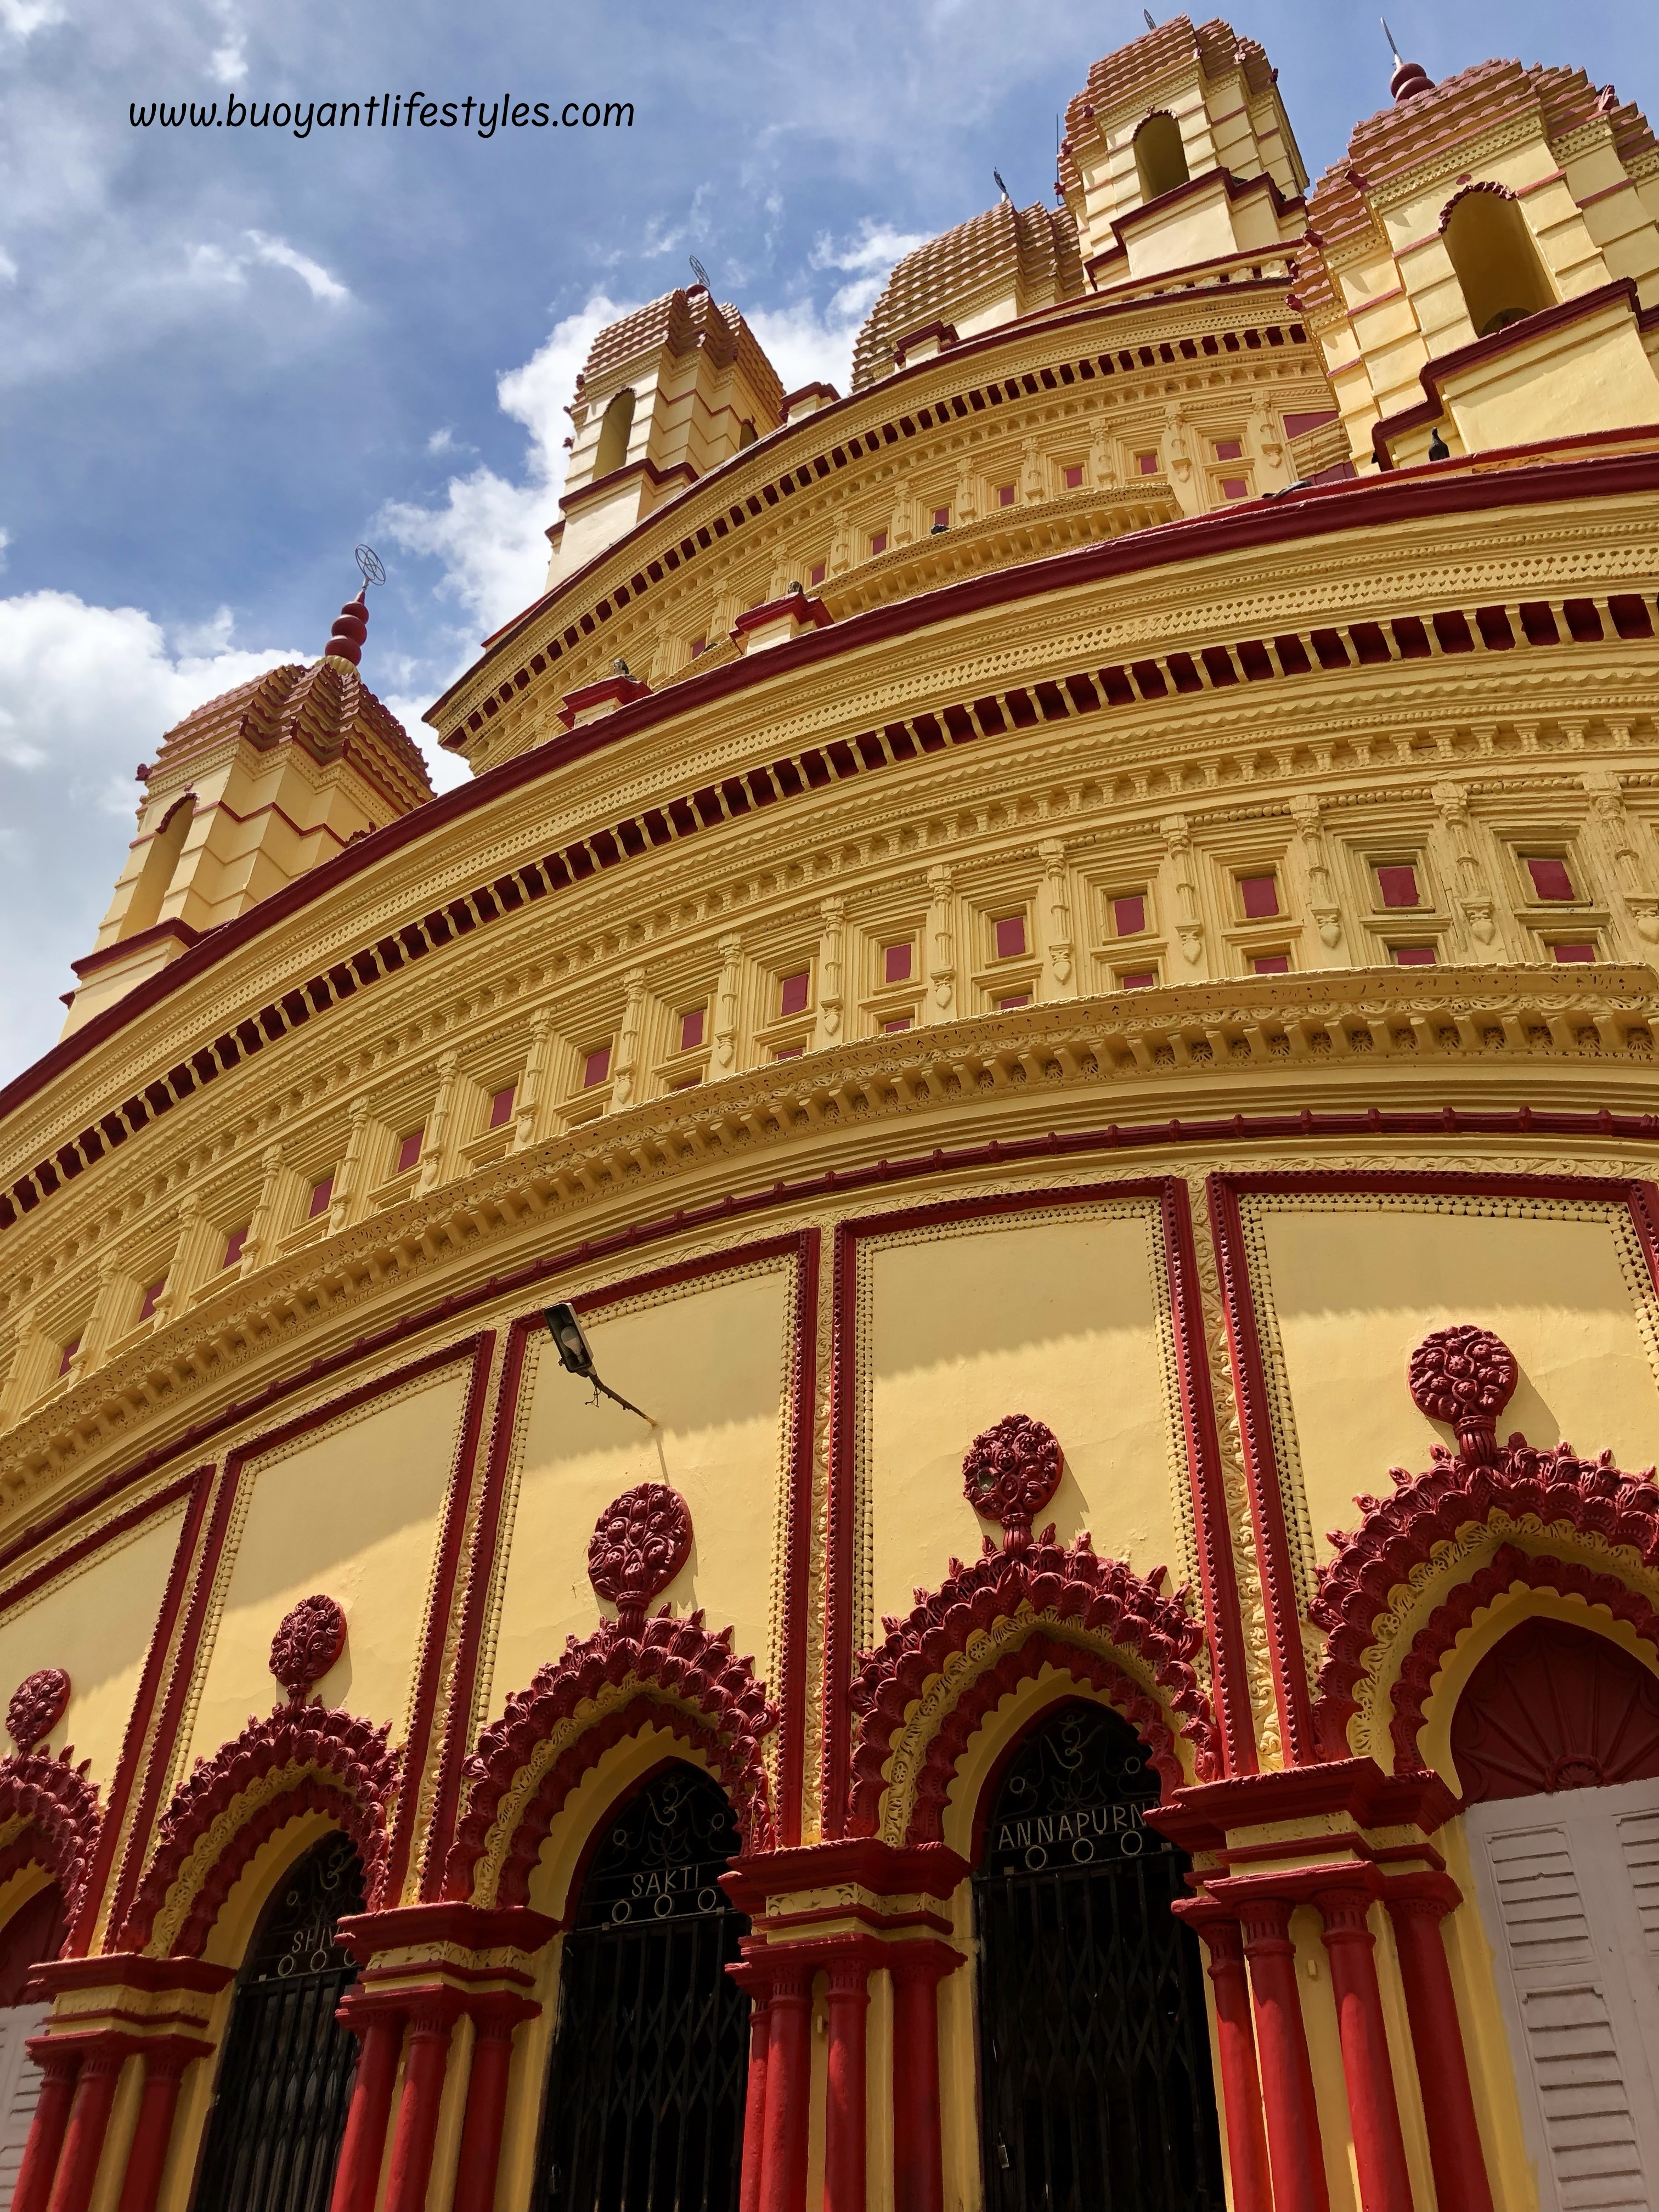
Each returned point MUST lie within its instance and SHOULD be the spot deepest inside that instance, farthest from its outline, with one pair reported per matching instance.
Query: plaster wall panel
(710, 1361)
(1062, 1319)
(1348, 1290)
(96, 1622)
(351, 1512)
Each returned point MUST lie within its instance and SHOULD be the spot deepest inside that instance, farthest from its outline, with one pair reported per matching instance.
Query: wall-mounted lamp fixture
(576, 1357)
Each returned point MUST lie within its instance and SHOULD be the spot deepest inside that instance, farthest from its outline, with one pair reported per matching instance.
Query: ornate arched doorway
(34, 1932)
(1094, 2085)
(279, 2104)
(1556, 1742)
(646, 2087)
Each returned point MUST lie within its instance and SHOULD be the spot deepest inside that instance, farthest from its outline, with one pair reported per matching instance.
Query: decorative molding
(1464, 1376)
(606, 1687)
(1011, 1473)
(50, 1810)
(309, 1642)
(38, 1704)
(640, 1543)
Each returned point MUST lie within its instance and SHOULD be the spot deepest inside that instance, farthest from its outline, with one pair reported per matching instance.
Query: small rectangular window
(1074, 477)
(1413, 955)
(1550, 879)
(1397, 884)
(1569, 952)
(1006, 495)
(792, 992)
(66, 1357)
(819, 569)
(1129, 915)
(686, 1082)
(691, 1027)
(501, 1105)
(877, 542)
(1259, 895)
(1148, 464)
(1234, 487)
(409, 1151)
(896, 963)
(789, 1052)
(893, 1028)
(1137, 978)
(152, 1298)
(596, 1066)
(1009, 932)
(699, 645)
(1271, 964)
(234, 1244)
(1014, 1000)
(1229, 449)
(941, 518)
(321, 1193)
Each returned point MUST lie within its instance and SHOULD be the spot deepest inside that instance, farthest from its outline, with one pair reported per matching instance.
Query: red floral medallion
(308, 1643)
(1011, 1473)
(38, 1704)
(640, 1542)
(1465, 1377)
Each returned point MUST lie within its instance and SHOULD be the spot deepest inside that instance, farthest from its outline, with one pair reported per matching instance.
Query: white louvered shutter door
(1563, 1879)
(19, 2088)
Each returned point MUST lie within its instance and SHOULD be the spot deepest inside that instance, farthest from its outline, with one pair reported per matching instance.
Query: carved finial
(307, 1643)
(38, 1703)
(1409, 78)
(1011, 1473)
(1465, 1377)
(640, 1543)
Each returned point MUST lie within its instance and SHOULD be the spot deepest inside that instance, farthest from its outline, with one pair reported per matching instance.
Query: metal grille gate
(1094, 2053)
(650, 2059)
(279, 2106)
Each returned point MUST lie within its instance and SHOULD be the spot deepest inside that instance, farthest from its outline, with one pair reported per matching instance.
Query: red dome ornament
(1011, 1473)
(308, 1643)
(38, 1704)
(1465, 1377)
(640, 1542)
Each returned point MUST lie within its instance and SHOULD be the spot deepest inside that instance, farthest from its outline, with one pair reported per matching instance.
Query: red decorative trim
(162, 933)
(685, 1680)
(885, 1870)
(341, 1766)
(462, 1927)
(1465, 1377)
(1009, 1473)
(1482, 185)
(1200, 1818)
(49, 1569)
(38, 1704)
(620, 690)
(795, 1644)
(640, 1543)
(1105, 1601)
(1435, 1642)
(1398, 1534)
(309, 1642)
(61, 1806)
(808, 613)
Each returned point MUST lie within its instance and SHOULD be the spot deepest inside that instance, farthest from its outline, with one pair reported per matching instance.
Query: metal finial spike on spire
(369, 565)
(699, 272)
(1394, 46)
(1147, 13)
(1003, 188)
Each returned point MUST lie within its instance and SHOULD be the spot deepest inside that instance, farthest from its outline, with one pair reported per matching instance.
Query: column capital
(498, 2013)
(1429, 1893)
(922, 1959)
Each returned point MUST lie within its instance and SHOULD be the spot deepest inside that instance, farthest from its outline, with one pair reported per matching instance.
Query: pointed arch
(922, 1695)
(160, 865)
(49, 1816)
(616, 427)
(301, 1758)
(1160, 156)
(675, 1676)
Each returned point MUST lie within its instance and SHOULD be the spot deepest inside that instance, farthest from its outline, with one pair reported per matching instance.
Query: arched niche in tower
(614, 434)
(161, 863)
(1495, 259)
(1160, 157)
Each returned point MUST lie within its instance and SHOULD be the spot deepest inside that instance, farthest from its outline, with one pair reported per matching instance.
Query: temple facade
(880, 1435)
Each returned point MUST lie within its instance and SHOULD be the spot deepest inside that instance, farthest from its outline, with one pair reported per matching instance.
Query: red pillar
(789, 2086)
(917, 1969)
(845, 2145)
(432, 2024)
(1379, 2147)
(1294, 2152)
(88, 2124)
(495, 2020)
(754, 1980)
(357, 2175)
(1241, 2083)
(164, 2069)
(58, 2067)
(1416, 1904)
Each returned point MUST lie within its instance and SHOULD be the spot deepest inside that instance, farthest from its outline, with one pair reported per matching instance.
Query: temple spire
(1409, 78)
(350, 629)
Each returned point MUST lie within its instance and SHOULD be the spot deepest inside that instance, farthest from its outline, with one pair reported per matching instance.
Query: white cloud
(21, 18)
(281, 255)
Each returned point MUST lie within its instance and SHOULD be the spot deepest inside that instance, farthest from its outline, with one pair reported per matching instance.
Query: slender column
(164, 2069)
(357, 2175)
(1379, 2147)
(59, 2068)
(88, 2124)
(1417, 1906)
(1294, 2152)
(494, 2022)
(430, 2029)
(789, 2083)
(845, 2146)
(754, 2106)
(1241, 2083)
(917, 1969)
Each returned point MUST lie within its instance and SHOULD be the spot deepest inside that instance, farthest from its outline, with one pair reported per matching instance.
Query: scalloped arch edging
(1108, 1609)
(58, 1819)
(1555, 1488)
(675, 1674)
(300, 1759)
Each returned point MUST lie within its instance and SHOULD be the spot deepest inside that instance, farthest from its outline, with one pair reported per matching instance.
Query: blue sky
(230, 355)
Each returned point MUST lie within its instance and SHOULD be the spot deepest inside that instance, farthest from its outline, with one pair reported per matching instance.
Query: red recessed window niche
(66, 1357)
(895, 962)
(234, 1244)
(1259, 895)
(1137, 978)
(691, 1028)
(1234, 487)
(500, 1104)
(1550, 877)
(900, 1022)
(1271, 964)
(1013, 1001)
(1008, 931)
(321, 1193)
(1074, 477)
(1396, 885)
(1229, 449)
(1129, 915)
(596, 1065)
(793, 991)
(1005, 494)
(941, 518)
(819, 569)
(1568, 953)
(152, 1298)
(789, 1052)
(1413, 955)
(1148, 464)
(877, 542)
(409, 1151)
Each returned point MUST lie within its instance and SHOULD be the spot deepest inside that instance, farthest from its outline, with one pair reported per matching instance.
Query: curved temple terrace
(1053, 957)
